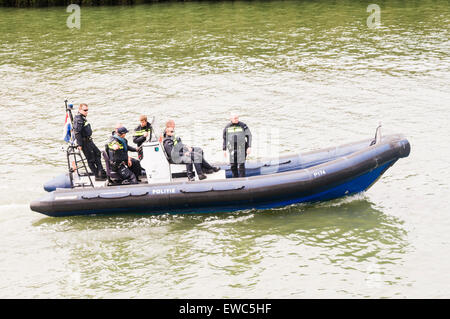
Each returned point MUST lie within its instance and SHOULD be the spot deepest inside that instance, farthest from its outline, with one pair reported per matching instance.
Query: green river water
(303, 75)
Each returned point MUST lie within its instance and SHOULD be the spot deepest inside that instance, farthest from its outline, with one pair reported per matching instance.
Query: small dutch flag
(67, 128)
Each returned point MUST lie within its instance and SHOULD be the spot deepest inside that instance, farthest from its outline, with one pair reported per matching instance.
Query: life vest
(113, 143)
(235, 132)
(141, 130)
(121, 153)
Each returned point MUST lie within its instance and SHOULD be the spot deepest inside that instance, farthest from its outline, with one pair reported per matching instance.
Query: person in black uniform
(180, 153)
(142, 133)
(238, 139)
(127, 167)
(83, 132)
(111, 139)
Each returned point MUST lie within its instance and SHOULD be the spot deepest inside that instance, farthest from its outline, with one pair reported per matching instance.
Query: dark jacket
(242, 128)
(139, 131)
(82, 129)
(170, 142)
(121, 154)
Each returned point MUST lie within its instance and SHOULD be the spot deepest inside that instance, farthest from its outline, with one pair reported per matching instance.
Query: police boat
(164, 188)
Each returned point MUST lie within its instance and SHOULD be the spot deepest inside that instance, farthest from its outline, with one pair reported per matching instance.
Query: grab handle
(282, 163)
(212, 189)
(272, 164)
(114, 195)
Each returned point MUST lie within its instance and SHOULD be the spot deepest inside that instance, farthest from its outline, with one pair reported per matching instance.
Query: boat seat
(165, 153)
(176, 170)
(113, 177)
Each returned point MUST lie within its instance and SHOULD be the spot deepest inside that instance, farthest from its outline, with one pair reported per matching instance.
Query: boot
(100, 177)
(211, 170)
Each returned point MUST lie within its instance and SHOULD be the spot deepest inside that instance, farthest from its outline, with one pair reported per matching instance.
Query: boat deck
(84, 180)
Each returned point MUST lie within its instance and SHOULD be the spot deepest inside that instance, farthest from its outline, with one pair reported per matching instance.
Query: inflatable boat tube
(315, 176)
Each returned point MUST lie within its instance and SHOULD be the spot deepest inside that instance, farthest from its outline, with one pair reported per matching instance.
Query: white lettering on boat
(160, 191)
(319, 173)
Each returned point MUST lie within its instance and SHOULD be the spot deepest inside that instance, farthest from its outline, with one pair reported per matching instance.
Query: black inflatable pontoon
(315, 176)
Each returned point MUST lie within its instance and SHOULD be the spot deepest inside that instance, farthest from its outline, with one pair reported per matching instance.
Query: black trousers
(190, 169)
(136, 167)
(238, 169)
(190, 163)
(128, 174)
(195, 159)
(198, 157)
(93, 156)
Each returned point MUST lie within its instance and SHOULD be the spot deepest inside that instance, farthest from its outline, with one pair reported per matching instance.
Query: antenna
(378, 133)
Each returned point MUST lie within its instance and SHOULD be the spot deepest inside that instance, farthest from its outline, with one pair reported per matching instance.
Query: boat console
(158, 169)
